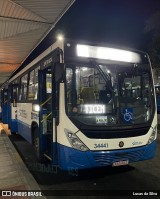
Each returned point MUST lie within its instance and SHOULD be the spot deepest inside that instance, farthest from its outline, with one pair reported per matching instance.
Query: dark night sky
(110, 21)
(117, 22)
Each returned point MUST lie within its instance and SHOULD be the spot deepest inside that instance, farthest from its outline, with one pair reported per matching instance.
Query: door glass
(48, 83)
(48, 101)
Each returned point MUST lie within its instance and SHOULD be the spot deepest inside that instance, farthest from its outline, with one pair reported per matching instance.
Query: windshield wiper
(106, 77)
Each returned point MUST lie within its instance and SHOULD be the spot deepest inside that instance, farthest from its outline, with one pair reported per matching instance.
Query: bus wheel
(40, 157)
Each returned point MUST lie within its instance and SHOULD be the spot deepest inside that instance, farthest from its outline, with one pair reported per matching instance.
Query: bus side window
(14, 95)
(23, 87)
(33, 85)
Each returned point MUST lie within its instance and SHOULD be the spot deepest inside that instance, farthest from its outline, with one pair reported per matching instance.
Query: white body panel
(26, 115)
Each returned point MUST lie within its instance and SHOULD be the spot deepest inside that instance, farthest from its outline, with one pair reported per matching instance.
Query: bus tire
(39, 155)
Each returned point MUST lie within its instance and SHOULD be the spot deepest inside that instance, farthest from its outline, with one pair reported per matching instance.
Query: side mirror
(59, 72)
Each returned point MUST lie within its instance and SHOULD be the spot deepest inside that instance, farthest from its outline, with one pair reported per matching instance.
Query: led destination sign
(93, 108)
(107, 53)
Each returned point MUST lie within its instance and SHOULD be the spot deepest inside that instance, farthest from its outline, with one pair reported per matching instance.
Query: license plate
(120, 163)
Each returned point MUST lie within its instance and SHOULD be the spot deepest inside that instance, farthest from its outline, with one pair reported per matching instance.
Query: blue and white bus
(84, 105)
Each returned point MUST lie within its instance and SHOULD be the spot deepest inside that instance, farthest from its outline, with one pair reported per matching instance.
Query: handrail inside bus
(45, 101)
(46, 117)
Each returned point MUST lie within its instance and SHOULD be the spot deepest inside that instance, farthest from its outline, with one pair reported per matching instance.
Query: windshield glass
(109, 94)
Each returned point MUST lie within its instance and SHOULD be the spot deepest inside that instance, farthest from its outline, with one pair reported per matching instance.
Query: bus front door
(45, 114)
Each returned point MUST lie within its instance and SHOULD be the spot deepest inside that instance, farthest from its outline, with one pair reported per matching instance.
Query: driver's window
(69, 74)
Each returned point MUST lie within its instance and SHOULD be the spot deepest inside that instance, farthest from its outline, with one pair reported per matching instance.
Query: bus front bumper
(72, 158)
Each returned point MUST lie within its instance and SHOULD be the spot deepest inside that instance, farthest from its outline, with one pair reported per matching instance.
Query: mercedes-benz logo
(121, 144)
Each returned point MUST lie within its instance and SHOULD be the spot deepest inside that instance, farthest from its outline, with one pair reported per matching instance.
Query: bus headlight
(153, 135)
(75, 142)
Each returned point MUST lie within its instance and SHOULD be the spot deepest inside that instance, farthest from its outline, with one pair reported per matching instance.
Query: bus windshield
(104, 95)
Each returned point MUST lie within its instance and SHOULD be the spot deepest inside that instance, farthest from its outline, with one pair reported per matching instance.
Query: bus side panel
(13, 125)
(24, 120)
(25, 131)
(5, 113)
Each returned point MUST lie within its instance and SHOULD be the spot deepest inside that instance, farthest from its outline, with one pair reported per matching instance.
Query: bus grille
(108, 159)
(116, 133)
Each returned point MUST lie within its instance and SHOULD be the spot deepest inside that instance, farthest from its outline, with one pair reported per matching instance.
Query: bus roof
(24, 24)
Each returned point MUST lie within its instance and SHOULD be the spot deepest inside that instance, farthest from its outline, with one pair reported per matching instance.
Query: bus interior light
(107, 53)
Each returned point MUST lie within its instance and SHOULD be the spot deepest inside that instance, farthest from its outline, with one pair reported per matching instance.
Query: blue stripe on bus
(14, 127)
(24, 130)
(5, 112)
(72, 158)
